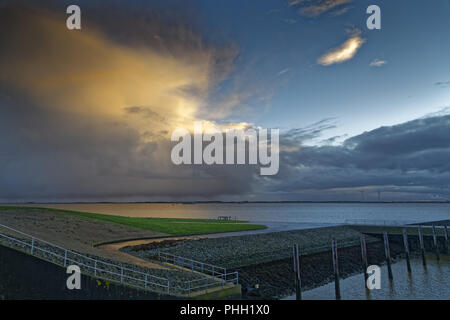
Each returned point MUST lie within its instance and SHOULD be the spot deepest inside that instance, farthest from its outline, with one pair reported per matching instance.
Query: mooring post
(387, 252)
(298, 283)
(364, 258)
(405, 242)
(436, 248)
(336, 269)
(446, 238)
(422, 246)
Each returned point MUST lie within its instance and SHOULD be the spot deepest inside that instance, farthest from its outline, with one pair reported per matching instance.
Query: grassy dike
(172, 226)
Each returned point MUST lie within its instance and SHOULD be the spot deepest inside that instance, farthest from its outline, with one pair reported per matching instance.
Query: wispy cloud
(316, 8)
(295, 2)
(344, 52)
(341, 11)
(442, 84)
(378, 63)
(283, 71)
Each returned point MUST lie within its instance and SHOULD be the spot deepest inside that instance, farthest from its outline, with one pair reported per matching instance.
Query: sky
(87, 115)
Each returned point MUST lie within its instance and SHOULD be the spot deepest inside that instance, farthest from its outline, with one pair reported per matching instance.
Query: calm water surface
(316, 213)
(432, 283)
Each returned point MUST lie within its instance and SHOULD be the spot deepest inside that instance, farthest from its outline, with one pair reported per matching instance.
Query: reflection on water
(423, 284)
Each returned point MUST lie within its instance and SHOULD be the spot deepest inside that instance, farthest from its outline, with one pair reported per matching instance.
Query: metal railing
(190, 264)
(205, 284)
(218, 275)
(368, 222)
(110, 271)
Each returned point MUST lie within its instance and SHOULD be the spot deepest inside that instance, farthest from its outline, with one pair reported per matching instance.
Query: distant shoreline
(224, 202)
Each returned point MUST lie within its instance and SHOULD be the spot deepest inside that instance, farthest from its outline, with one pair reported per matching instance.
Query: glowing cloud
(342, 53)
(89, 75)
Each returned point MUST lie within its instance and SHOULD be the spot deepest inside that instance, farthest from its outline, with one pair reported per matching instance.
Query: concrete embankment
(27, 277)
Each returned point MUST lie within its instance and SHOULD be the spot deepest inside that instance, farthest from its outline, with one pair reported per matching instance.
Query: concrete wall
(25, 277)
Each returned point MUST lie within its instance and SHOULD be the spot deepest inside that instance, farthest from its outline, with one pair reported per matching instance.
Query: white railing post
(95, 268)
(168, 286)
(65, 258)
(145, 282)
(213, 270)
(121, 274)
(32, 245)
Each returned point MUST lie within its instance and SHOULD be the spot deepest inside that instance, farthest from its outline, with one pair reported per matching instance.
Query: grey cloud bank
(409, 160)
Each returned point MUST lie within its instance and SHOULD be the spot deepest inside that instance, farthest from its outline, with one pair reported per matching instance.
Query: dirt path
(114, 251)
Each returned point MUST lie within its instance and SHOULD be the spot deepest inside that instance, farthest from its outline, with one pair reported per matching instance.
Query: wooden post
(405, 242)
(422, 246)
(387, 252)
(435, 243)
(298, 282)
(336, 269)
(446, 238)
(364, 258)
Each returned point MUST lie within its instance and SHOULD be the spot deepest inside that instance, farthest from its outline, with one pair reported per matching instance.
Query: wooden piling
(364, 258)
(337, 289)
(405, 243)
(435, 243)
(387, 252)
(446, 238)
(422, 246)
(298, 282)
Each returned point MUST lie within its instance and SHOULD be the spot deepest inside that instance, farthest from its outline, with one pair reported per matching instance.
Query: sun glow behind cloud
(87, 74)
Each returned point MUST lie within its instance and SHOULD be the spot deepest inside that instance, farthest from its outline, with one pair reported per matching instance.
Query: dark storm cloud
(55, 157)
(411, 156)
(67, 133)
